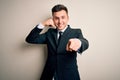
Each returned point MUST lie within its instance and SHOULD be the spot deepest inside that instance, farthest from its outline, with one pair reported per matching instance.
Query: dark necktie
(60, 34)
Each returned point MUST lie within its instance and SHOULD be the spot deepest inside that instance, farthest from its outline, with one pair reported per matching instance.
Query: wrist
(43, 23)
(40, 26)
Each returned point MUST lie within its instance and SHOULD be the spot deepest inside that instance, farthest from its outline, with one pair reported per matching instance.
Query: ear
(68, 18)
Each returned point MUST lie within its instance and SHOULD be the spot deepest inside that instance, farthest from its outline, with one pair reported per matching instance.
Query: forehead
(60, 13)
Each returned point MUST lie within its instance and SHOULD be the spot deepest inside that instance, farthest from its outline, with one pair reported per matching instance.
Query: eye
(56, 18)
(63, 17)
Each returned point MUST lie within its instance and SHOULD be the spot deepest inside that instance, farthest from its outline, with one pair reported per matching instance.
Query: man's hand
(48, 22)
(73, 44)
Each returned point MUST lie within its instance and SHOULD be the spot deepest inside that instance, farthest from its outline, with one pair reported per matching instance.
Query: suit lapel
(54, 33)
(68, 30)
(65, 35)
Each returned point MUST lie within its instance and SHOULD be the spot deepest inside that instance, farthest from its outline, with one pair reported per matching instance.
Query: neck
(63, 29)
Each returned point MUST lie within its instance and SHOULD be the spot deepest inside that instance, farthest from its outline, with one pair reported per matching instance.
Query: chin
(60, 27)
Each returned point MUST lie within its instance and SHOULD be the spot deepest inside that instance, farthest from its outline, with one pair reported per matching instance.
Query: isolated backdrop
(100, 24)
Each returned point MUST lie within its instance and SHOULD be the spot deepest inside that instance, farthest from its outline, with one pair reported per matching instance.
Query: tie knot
(60, 33)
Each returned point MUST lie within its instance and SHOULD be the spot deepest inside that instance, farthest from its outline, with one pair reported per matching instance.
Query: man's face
(60, 19)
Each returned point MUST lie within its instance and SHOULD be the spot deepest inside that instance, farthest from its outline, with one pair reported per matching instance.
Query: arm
(78, 44)
(35, 37)
(84, 42)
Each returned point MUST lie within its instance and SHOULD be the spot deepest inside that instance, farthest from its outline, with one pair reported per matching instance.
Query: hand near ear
(48, 22)
(73, 44)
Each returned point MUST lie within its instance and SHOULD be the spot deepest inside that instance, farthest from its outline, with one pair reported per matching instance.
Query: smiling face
(60, 19)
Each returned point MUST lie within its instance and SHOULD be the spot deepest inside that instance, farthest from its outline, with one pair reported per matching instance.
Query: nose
(60, 20)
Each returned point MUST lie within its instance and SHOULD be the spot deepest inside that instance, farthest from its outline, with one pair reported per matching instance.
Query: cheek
(65, 21)
(55, 21)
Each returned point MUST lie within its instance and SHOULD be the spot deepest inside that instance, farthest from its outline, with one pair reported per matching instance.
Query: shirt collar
(63, 29)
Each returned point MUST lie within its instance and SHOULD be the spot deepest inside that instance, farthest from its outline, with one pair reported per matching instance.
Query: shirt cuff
(40, 26)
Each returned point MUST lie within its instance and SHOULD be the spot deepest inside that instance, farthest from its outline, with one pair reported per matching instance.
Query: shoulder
(77, 30)
(51, 30)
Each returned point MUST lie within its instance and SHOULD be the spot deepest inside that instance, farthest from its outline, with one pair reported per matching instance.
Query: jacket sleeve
(35, 37)
(84, 42)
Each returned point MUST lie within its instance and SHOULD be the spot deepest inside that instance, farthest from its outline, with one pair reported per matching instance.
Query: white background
(100, 24)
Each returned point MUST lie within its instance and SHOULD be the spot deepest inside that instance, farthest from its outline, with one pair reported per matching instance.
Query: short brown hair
(59, 7)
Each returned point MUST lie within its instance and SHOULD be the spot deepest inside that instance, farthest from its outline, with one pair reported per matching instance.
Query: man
(63, 45)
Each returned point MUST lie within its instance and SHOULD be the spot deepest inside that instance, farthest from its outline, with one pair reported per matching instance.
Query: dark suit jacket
(60, 63)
